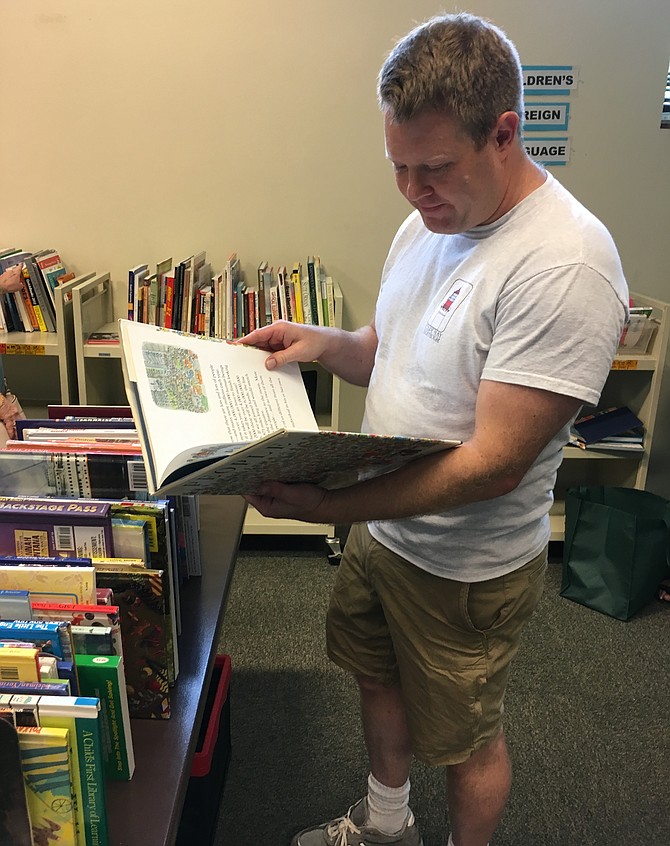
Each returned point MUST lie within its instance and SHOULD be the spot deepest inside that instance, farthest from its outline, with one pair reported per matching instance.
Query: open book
(212, 420)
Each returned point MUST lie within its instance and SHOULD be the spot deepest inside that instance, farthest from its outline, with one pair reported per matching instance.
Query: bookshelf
(635, 381)
(147, 809)
(98, 366)
(40, 366)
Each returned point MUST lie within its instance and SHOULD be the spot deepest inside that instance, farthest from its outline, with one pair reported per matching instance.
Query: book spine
(44, 297)
(31, 302)
(314, 297)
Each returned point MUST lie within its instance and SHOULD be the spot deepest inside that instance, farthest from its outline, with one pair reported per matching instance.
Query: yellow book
(19, 663)
(47, 773)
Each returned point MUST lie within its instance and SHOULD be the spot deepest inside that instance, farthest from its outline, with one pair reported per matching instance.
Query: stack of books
(614, 429)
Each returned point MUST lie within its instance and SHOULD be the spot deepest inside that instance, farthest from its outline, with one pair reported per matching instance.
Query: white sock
(387, 806)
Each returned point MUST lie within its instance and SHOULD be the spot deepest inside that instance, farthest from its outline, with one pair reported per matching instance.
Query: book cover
(81, 716)
(610, 421)
(54, 638)
(102, 616)
(92, 640)
(19, 664)
(141, 595)
(44, 472)
(46, 526)
(14, 818)
(155, 514)
(103, 676)
(239, 424)
(88, 412)
(48, 775)
(51, 583)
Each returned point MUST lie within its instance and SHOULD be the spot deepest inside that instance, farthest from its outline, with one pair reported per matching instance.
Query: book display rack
(635, 382)
(148, 808)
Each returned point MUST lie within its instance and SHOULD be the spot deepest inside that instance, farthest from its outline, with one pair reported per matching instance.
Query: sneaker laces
(340, 829)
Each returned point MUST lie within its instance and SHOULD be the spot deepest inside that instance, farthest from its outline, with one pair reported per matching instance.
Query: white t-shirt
(537, 298)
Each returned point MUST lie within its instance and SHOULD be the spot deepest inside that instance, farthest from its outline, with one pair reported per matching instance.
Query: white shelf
(44, 362)
(635, 381)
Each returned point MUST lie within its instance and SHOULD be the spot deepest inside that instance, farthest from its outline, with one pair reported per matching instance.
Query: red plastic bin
(202, 760)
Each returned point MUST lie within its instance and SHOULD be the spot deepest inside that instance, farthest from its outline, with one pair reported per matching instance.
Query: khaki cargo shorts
(448, 644)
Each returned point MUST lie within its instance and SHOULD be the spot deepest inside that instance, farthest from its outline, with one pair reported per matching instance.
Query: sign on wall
(548, 115)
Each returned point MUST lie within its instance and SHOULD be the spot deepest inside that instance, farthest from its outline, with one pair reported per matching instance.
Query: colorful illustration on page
(175, 377)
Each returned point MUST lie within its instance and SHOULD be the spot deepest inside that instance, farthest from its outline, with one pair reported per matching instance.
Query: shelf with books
(634, 382)
(40, 366)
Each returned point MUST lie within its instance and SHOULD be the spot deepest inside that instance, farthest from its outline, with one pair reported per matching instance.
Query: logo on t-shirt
(448, 303)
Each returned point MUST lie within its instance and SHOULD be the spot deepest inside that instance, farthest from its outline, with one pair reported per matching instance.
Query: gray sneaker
(351, 830)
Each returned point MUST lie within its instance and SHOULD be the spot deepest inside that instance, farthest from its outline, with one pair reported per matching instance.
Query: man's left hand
(295, 502)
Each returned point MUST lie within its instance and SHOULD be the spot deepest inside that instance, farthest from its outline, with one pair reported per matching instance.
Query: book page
(203, 397)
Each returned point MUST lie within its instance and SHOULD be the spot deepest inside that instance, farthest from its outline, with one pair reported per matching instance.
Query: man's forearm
(351, 355)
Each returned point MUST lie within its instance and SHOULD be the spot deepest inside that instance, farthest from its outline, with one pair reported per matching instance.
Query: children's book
(51, 582)
(56, 527)
(81, 716)
(99, 616)
(19, 664)
(146, 629)
(103, 676)
(212, 419)
(54, 638)
(48, 775)
(14, 818)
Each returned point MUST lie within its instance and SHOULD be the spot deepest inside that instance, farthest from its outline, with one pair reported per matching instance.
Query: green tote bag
(616, 548)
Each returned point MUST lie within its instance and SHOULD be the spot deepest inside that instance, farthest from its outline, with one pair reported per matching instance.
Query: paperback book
(212, 419)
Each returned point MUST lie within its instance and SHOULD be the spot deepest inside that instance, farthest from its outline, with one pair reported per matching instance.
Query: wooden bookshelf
(147, 809)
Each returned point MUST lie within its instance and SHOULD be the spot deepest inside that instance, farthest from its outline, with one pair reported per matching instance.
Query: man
(501, 305)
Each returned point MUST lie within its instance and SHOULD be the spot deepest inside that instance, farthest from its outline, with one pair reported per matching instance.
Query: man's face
(438, 170)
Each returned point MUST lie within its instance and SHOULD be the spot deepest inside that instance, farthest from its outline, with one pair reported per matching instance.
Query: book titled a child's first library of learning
(212, 419)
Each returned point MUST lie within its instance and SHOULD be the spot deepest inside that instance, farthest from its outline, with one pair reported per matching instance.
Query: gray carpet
(588, 718)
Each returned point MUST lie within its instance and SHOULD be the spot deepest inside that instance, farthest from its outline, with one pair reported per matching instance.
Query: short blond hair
(459, 64)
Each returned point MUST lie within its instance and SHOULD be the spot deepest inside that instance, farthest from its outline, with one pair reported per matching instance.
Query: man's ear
(505, 131)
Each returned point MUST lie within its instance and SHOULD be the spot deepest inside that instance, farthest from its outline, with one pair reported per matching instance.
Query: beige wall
(132, 131)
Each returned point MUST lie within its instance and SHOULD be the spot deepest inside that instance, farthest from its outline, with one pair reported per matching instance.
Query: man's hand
(287, 342)
(8, 415)
(10, 280)
(295, 502)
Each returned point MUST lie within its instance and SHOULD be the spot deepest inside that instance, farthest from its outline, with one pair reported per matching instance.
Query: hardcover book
(48, 775)
(14, 818)
(146, 628)
(100, 616)
(81, 716)
(103, 676)
(45, 526)
(601, 424)
(51, 582)
(54, 638)
(238, 424)
(41, 472)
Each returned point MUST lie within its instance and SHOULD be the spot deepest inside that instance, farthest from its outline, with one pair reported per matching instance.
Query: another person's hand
(8, 414)
(10, 280)
(295, 501)
(287, 342)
